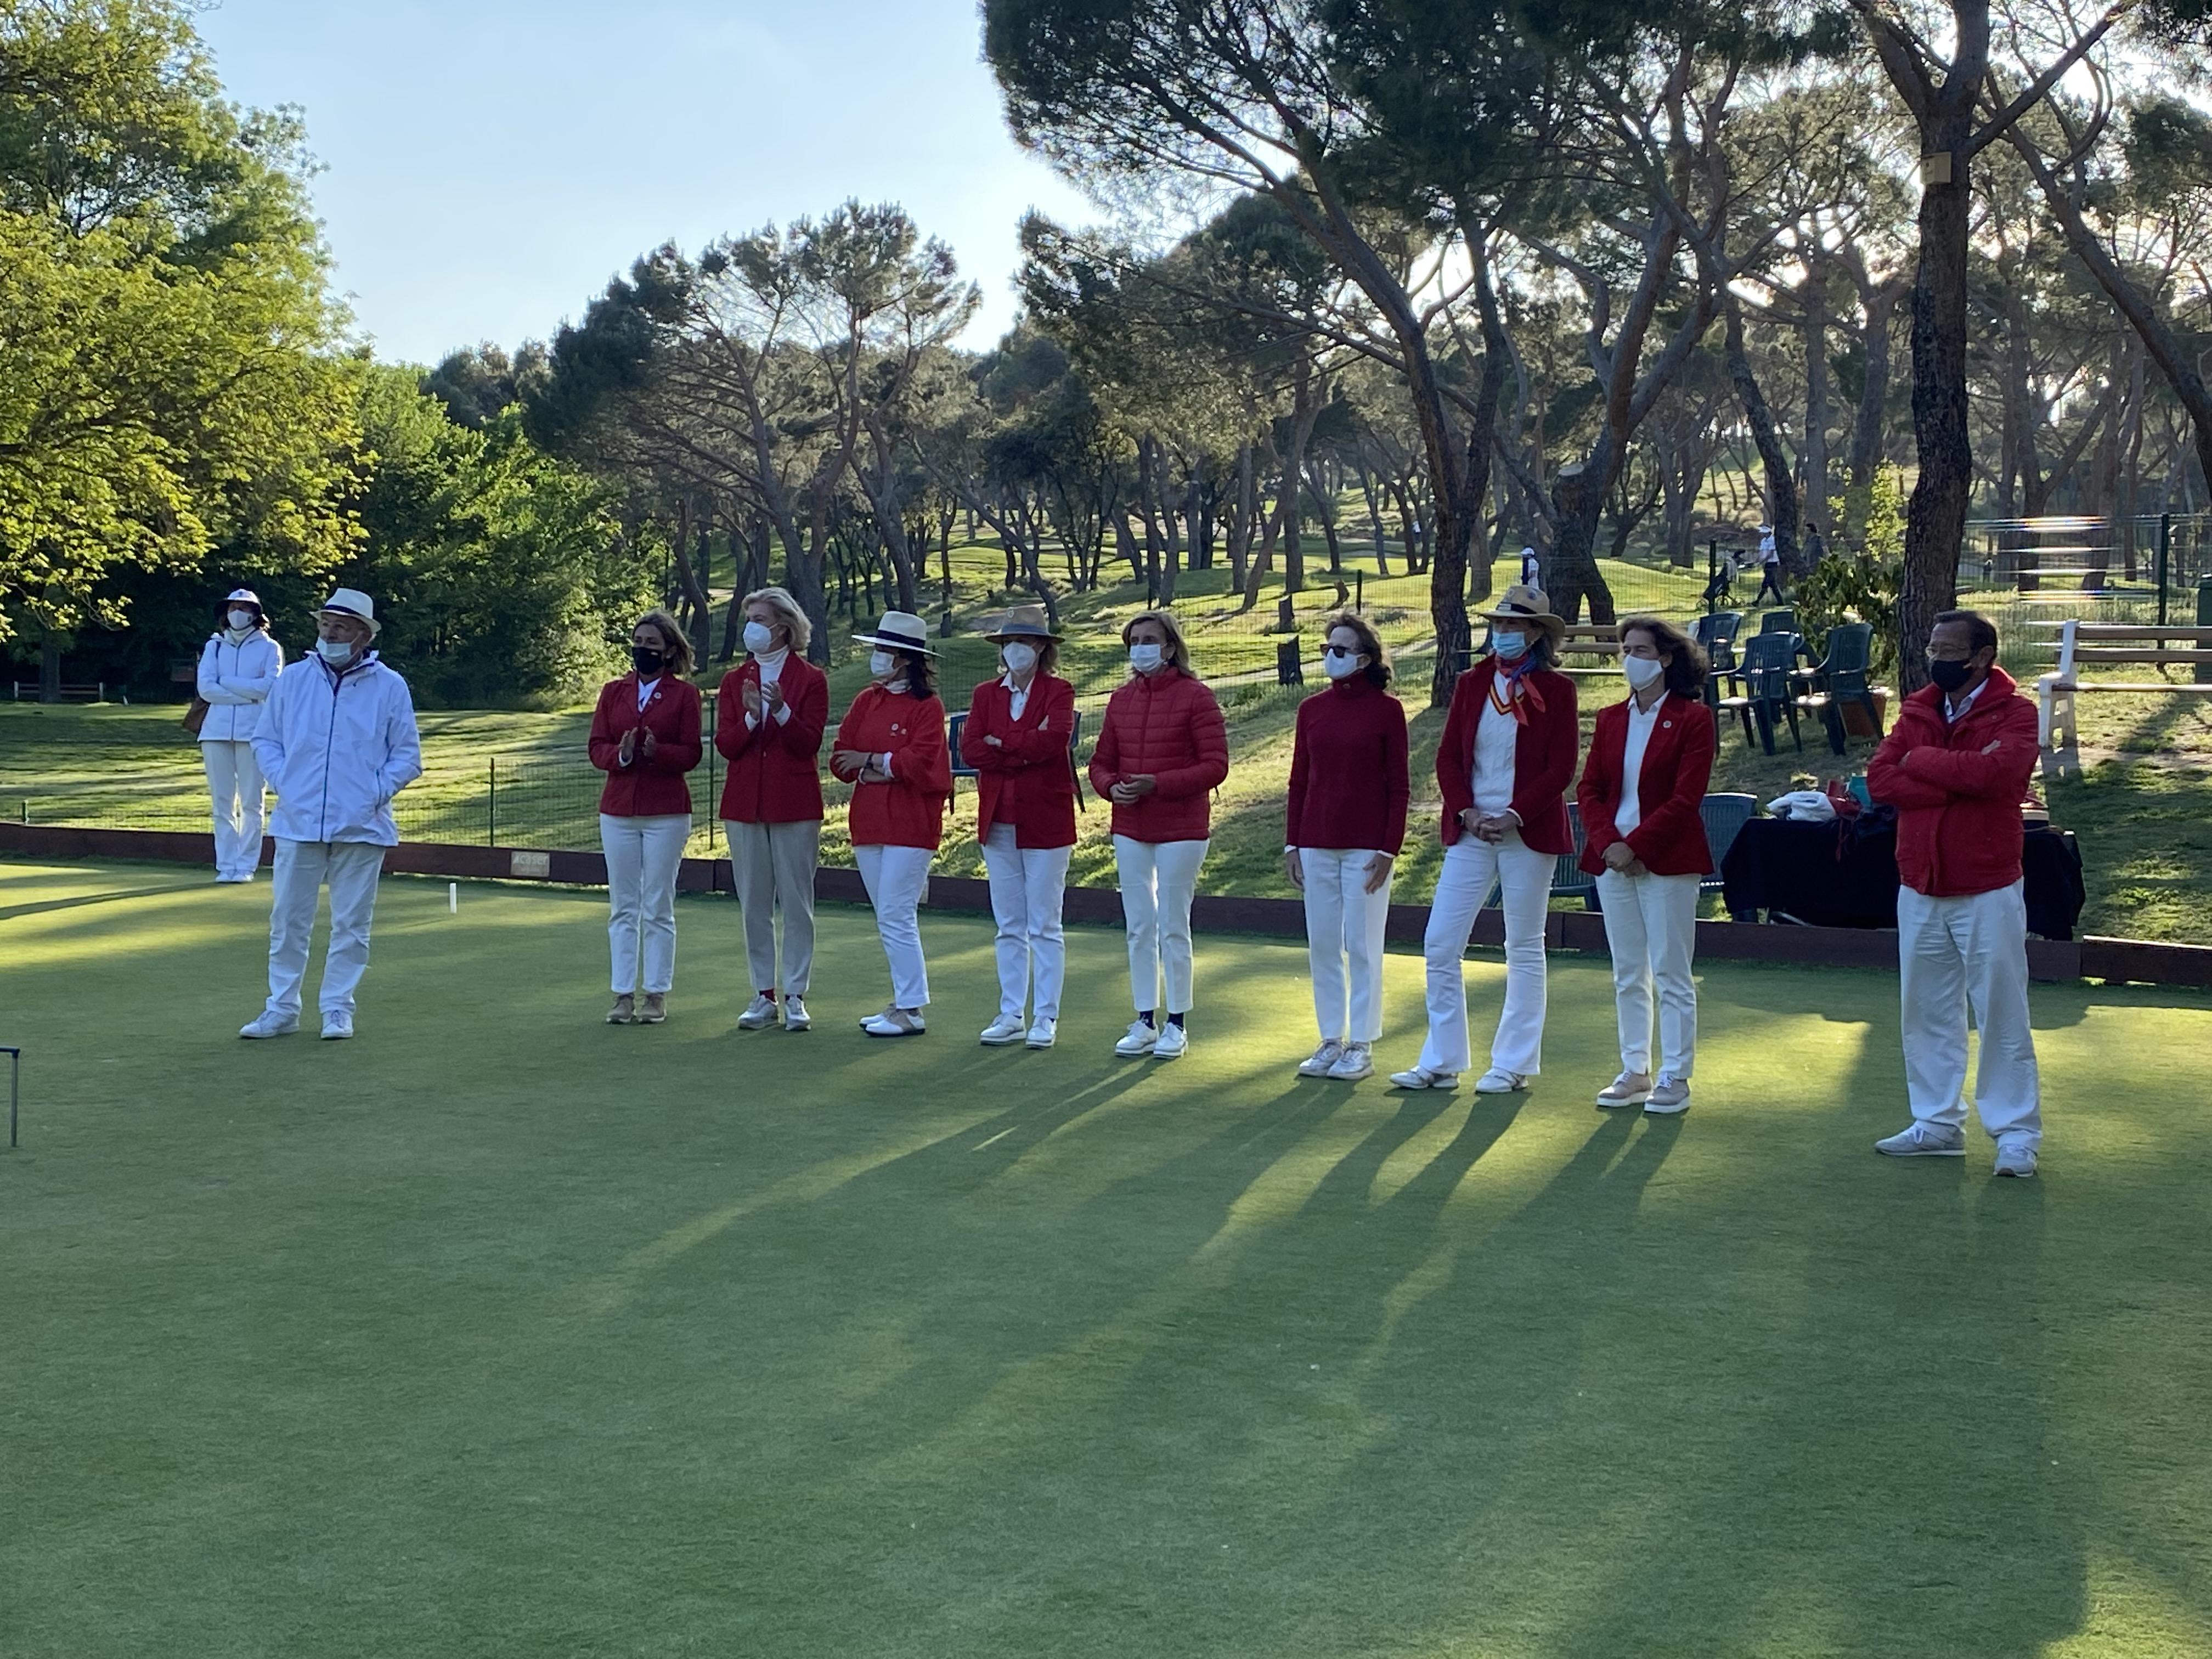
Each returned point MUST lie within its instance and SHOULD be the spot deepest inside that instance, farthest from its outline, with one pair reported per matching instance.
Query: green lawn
(499, 1331)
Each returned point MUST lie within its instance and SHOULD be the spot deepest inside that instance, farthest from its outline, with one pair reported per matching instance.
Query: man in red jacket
(1956, 766)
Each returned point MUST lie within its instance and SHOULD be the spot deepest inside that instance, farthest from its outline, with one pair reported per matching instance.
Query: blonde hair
(1178, 653)
(676, 649)
(797, 628)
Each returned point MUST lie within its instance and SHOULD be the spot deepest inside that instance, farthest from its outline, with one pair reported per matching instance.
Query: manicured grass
(499, 1331)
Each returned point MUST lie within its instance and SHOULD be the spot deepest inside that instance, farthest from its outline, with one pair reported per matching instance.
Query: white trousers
(1158, 878)
(774, 865)
(1952, 954)
(1027, 884)
(643, 857)
(1343, 940)
(1471, 868)
(897, 877)
(234, 788)
(1651, 927)
(303, 869)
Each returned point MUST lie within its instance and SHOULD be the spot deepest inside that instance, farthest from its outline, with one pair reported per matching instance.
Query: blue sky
(488, 164)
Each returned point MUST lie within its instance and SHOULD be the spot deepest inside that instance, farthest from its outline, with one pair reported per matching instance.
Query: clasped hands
(1129, 791)
(635, 747)
(1491, 827)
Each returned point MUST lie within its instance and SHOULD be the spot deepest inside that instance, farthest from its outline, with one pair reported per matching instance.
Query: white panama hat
(899, 630)
(352, 602)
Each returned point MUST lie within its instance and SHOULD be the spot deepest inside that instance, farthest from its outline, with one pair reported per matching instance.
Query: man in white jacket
(336, 742)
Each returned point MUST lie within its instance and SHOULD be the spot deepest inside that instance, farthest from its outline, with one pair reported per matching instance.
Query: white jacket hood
(336, 748)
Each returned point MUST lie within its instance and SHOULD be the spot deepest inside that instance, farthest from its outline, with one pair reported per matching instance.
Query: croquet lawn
(499, 1331)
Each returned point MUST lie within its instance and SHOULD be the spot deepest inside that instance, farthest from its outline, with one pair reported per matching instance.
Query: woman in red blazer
(645, 736)
(890, 748)
(1503, 764)
(768, 724)
(1161, 751)
(1016, 737)
(1643, 838)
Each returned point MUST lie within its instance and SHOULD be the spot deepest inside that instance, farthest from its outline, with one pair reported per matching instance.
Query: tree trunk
(1240, 516)
(1873, 414)
(50, 664)
(1816, 403)
(1781, 479)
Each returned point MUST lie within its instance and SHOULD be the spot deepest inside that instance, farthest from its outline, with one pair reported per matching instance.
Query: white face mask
(880, 664)
(242, 620)
(760, 639)
(1018, 659)
(1339, 664)
(337, 652)
(1641, 671)
(1147, 658)
(1508, 642)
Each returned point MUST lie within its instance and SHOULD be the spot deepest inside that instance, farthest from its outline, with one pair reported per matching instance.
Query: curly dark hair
(1377, 671)
(1685, 658)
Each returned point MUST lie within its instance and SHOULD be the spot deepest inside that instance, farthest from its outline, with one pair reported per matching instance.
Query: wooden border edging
(2115, 960)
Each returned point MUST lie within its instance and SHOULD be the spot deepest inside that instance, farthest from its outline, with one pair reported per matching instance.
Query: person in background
(1532, 568)
(239, 666)
(1956, 767)
(1504, 763)
(890, 748)
(1015, 737)
(1644, 837)
(770, 717)
(1345, 822)
(1161, 750)
(645, 736)
(1770, 567)
(336, 741)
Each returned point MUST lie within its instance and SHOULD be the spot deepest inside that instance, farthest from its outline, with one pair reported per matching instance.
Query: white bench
(2080, 643)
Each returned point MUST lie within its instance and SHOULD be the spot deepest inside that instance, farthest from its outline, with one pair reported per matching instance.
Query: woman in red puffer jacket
(1162, 749)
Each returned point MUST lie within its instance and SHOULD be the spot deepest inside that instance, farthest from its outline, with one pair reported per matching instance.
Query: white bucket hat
(352, 602)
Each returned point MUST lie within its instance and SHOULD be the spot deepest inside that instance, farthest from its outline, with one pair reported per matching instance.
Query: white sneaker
(1140, 1038)
(1918, 1139)
(897, 1023)
(759, 1014)
(1003, 1032)
(1669, 1096)
(795, 1017)
(1174, 1041)
(1322, 1058)
(1923, 1140)
(866, 1020)
(2014, 1158)
(1357, 1061)
(1629, 1088)
(1497, 1082)
(1420, 1077)
(1042, 1033)
(337, 1025)
(270, 1024)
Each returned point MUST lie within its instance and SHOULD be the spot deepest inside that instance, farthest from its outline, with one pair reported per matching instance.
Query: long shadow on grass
(10, 912)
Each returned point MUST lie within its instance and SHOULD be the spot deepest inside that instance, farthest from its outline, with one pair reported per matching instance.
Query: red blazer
(1166, 726)
(1027, 778)
(646, 788)
(1958, 808)
(909, 809)
(1543, 759)
(774, 775)
(1670, 836)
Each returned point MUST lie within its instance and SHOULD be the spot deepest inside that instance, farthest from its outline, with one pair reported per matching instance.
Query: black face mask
(648, 659)
(1950, 674)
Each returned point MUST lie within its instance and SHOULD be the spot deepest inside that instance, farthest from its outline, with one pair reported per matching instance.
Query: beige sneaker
(1629, 1088)
(655, 1008)
(624, 1013)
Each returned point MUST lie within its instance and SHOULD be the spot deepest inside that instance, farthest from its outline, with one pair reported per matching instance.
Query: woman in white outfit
(1642, 798)
(1503, 764)
(238, 668)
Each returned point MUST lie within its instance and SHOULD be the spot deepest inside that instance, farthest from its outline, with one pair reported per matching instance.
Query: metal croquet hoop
(14, 1074)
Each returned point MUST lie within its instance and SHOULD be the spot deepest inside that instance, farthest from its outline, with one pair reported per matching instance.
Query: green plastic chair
(1763, 688)
(1839, 677)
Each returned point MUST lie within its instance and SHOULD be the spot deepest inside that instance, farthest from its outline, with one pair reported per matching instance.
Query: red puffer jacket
(1167, 726)
(655, 787)
(1957, 789)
